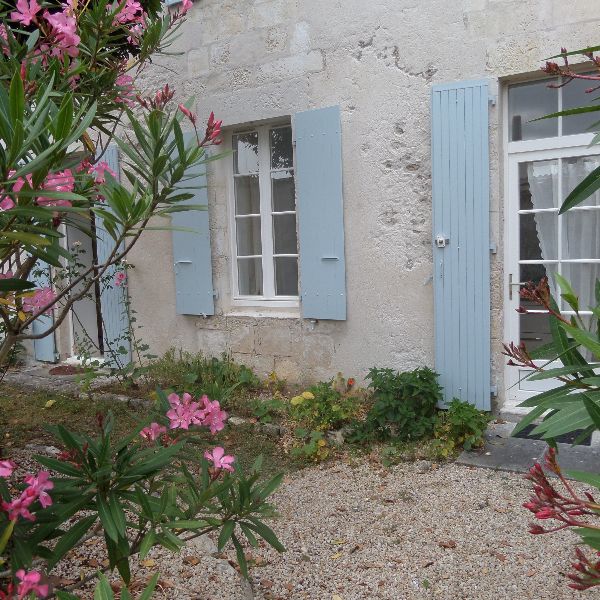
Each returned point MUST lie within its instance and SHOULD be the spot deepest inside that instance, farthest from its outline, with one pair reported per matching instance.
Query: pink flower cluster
(30, 582)
(185, 412)
(567, 509)
(36, 490)
(153, 432)
(131, 12)
(219, 459)
(62, 181)
(120, 278)
(40, 298)
(126, 93)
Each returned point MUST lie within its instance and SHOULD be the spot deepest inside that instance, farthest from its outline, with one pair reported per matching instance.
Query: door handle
(512, 284)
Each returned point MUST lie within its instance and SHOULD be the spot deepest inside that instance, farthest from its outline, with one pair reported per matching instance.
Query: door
(541, 243)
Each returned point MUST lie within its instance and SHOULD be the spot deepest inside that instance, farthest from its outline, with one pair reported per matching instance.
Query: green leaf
(568, 293)
(591, 537)
(241, 557)
(16, 97)
(589, 185)
(15, 285)
(225, 534)
(103, 590)
(147, 593)
(147, 543)
(585, 338)
(186, 524)
(593, 410)
(584, 477)
(106, 518)
(569, 370)
(266, 533)
(118, 516)
(70, 538)
(61, 595)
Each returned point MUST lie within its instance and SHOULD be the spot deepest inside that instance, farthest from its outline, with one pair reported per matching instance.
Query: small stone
(423, 466)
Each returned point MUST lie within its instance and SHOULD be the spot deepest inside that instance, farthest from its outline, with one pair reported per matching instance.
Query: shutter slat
(191, 250)
(460, 179)
(113, 300)
(320, 213)
(45, 348)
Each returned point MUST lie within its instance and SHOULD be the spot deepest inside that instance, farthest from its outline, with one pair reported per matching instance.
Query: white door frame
(518, 152)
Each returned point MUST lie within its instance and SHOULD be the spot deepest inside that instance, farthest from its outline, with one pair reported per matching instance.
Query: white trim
(268, 298)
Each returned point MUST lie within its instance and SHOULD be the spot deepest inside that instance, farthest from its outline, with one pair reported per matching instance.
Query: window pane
(529, 101)
(281, 148)
(534, 329)
(538, 236)
(574, 171)
(284, 234)
(582, 278)
(580, 237)
(245, 147)
(248, 236)
(574, 96)
(250, 276)
(538, 185)
(286, 276)
(283, 191)
(247, 195)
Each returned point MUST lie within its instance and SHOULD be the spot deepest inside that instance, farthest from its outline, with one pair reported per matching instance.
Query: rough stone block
(290, 67)
(267, 13)
(274, 339)
(300, 42)
(242, 339)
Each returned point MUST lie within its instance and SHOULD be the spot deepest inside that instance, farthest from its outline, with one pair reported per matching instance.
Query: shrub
(404, 405)
(265, 410)
(461, 426)
(218, 378)
(154, 487)
(326, 405)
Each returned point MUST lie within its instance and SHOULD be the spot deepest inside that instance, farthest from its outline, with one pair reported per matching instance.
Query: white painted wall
(260, 59)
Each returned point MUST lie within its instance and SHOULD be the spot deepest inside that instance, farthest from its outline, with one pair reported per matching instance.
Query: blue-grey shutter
(113, 299)
(320, 211)
(461, 243)
(44, 348)
(191, 250)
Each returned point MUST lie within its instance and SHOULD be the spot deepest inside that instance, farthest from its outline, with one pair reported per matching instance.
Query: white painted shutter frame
(113, 299)
(44, 348)
(192, 260)
(461, 240)
(320, 210)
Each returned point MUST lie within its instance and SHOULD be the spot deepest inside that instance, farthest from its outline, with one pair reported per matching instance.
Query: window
(529, 101)
(265, 243)
(546, 160)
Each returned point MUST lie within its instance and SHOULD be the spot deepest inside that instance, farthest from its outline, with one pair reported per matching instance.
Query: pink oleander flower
(132, 12)
(62, 181)
(184, 412)
(188, 113)
(19, 508)
(153, 432)
(120, 278)
(219, 459)
(40, 298)
(38, 486)
(185, 6)
(127, 93)
(7, 466)
(6, 203)
(99, 171)
(6, 275)
(63, 32)
(30, 582)
(26, 11)
(214, 417)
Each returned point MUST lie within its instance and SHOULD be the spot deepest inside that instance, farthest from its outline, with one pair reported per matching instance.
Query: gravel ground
(452, 532)
(360, 532)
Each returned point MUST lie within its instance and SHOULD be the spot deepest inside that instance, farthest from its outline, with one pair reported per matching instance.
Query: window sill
(264, 312)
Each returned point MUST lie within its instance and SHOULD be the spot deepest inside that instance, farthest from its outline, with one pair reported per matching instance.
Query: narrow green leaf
(70, 538)
(225, 534)
(16, 97)
(103, 590)
(589, 185)
(106, 518)
(147, 593)
(241, 557)
(593, 410)
(147, 543)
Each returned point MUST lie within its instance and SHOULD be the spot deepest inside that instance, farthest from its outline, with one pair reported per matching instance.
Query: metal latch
(441, 241)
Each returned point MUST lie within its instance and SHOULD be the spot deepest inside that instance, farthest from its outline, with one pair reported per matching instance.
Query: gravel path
(453, 532)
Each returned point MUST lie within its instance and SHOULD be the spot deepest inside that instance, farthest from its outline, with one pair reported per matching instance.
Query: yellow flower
(297, 400)
(308, 395)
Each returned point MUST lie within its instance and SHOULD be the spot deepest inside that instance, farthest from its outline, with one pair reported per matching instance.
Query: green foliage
(326, 405)
(312, 445)
(404, 406)
(461, 426)
(218, 378)
(141, 494)
(265, 410)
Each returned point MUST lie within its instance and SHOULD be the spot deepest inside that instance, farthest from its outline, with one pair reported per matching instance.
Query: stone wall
(259, 59)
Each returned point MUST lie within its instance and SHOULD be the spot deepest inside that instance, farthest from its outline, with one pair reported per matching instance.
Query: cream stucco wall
(260, 59)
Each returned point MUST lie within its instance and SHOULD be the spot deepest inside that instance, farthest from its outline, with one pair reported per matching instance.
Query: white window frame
(268, 298)
(577, 145)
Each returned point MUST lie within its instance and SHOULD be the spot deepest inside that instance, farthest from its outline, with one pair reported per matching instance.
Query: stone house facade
(262, 64)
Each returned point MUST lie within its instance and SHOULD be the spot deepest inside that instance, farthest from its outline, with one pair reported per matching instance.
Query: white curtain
(580, 228)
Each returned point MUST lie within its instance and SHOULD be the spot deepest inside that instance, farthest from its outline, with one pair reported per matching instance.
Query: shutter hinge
(493, 100)
(494, 391)
(493, 248)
